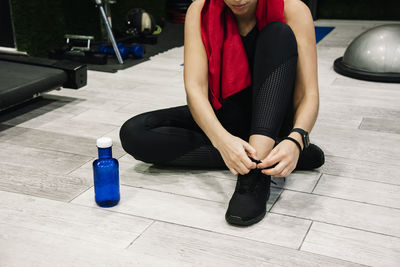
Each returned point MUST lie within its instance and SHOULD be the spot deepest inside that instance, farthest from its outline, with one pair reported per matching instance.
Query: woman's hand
(235, 152)
(286, 154)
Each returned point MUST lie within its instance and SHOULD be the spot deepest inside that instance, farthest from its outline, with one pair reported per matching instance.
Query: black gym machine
(23, 78)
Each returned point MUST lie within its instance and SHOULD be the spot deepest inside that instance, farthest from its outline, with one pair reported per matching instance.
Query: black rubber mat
(171, 36)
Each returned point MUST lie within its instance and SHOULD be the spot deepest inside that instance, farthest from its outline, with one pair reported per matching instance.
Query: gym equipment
(107, 10)
(23, 78)
(6, 25)
(136, 50)
(374, 55)
(109, 30)
(139, 22)
(78, 49)
(88, 39)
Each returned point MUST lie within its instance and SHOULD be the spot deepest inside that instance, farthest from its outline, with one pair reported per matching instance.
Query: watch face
(304, 135)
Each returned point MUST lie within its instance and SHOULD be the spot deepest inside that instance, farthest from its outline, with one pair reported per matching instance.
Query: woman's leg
(275, 66)
(274, 74)
(169, 137)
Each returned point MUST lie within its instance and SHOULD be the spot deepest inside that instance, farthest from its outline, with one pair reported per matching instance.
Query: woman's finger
(241, 168)
(276, 170)
(269, 161)
(247, 162)
(284, 173)
(250, 150)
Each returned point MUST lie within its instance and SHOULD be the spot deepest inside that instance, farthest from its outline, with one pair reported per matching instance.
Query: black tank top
(249, 42)
(243, 98)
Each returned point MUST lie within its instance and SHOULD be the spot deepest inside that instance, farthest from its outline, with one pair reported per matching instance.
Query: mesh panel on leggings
(271, 100)
(204, 156)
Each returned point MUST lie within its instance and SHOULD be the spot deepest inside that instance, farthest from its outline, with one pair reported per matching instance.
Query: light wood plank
(361, 169)
(41, 159)
(333, 113)
(367, 96)
(138, 93)
(203, 214)
(358, 144)
(303, 181)
(114, 135)
(112, 118)
(381, 125)
(353, 245)
(33, 117)
(24, 247)
(345, 82)
(55, 141)
(69, 104)
(89, 129)
(341, 212)
(198, 247)
(359, 190)
(34, 182)
(97, 226)
(350, 111)
(328, 119)
(150, 104)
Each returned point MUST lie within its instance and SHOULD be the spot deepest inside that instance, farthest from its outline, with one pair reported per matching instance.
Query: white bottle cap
(104, 142)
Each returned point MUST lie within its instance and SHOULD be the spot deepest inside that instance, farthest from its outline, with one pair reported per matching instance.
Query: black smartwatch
(304, 136)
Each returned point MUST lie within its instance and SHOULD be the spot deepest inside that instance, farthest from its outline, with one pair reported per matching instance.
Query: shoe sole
(236, 220)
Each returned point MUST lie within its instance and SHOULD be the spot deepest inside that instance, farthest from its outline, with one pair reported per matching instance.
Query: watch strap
(299, 130)
(293, 140)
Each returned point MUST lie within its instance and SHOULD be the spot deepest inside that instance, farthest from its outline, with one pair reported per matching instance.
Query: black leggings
(171, 136)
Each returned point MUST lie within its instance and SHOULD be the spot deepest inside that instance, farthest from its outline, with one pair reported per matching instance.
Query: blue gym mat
(321, 32)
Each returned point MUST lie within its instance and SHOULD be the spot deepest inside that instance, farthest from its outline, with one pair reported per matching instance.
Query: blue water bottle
(106, 175)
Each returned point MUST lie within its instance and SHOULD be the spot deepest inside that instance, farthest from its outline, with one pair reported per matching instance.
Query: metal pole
(109, 31)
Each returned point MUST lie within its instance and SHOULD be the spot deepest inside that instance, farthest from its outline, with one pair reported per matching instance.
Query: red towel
(228, 68)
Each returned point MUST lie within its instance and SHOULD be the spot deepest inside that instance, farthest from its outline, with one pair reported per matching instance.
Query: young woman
(250, 72)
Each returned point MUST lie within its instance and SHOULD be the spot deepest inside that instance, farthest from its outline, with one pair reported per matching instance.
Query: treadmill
(23, 78)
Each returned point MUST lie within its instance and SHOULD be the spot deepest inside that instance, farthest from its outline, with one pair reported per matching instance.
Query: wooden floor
(343, 214)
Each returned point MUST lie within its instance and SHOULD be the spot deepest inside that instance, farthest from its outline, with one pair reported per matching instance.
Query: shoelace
(270, 167)
(247, 183)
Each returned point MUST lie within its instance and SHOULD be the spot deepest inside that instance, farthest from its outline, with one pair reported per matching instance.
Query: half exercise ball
(374, 55)
(139, 22)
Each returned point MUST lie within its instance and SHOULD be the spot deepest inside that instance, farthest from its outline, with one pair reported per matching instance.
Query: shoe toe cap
(244, 207)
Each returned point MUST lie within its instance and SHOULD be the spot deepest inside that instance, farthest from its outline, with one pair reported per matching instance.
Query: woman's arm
(232, 148)
(196, 76)
(306, 96)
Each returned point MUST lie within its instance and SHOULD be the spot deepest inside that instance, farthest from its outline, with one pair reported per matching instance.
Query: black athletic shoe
(248, 203)
(311, 158)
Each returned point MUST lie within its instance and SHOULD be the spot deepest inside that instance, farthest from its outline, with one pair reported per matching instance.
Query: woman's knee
(278, 36)
(131, 135)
